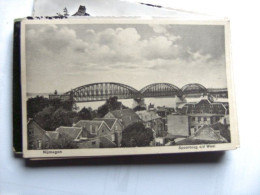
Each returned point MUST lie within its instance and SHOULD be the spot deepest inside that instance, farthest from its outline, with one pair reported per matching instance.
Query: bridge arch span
(160, 90)
(102, 91)
(194, 88)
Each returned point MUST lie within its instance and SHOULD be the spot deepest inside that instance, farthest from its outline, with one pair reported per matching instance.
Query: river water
(167, 101)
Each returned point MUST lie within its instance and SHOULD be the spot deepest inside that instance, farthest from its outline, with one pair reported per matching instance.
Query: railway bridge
(103, 90)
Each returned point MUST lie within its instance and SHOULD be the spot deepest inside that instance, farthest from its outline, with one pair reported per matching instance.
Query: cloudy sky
(66, 56)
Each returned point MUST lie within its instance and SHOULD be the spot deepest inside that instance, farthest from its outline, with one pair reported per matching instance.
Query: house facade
(200, 119)
(178, 125)
(37, 138)
(116, 129)
(205, 106)
(96, 132)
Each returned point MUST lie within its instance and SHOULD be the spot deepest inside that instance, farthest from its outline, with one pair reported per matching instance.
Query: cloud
(71, 55)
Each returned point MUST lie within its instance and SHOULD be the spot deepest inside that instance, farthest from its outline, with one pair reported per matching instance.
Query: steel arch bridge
(160, 90)
(102, 91)
(194, 88)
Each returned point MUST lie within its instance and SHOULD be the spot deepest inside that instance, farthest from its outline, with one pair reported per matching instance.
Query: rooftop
(109, 121)
(71, 132)
(53, 135)
(147, 115)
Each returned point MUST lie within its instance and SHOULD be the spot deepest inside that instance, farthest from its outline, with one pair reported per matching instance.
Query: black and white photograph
(111, 87)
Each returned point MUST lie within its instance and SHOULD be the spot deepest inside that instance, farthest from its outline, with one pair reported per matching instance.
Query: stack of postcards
(93, 81)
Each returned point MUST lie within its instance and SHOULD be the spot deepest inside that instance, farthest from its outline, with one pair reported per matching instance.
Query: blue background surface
(232, 172)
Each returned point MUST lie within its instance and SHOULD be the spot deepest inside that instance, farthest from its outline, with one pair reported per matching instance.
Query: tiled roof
(107, 143)
(126, 116)
(205, 135)
(109, 121)
(31, 121)
(71, 132)
(208, 133)
(85, 124)
(53, 135)
(147, 115)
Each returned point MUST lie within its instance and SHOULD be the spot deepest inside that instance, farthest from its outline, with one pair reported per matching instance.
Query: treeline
(51, 114)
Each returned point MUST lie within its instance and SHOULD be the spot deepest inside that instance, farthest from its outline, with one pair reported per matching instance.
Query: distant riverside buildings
(63, 97)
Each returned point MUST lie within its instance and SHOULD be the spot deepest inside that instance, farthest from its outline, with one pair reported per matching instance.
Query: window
(193, 118)
(93, 143)
(39, 144)
(205, 118)
(31, 132)
(113, 137)
(199, 119)
(47, 144)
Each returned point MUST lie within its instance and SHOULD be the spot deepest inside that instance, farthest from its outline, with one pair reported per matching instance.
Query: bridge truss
(102, 91)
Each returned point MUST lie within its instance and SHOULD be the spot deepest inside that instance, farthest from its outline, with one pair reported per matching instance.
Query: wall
(178, 125)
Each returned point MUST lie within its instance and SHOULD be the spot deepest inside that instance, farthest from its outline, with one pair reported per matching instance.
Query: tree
(62, 117)
(50, 119)
(139, 108)
(136, 135)
(110, 105)
(44, 117)
(35, 105)
(58, 103)
(85, 114)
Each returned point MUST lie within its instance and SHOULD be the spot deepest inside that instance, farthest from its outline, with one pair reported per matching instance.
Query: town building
(37, 138)
(163, 111)
(62, 97)
(125, 116)
(68, 137)
(225, 120)
(197, 120)
(115, 127)
(218, 92)
(96, 132)
(70, 133)
(53, 137)
(153, 121)
(205, 106)
(178, 125)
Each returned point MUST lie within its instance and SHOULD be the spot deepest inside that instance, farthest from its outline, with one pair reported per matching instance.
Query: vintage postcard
(102, 87)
